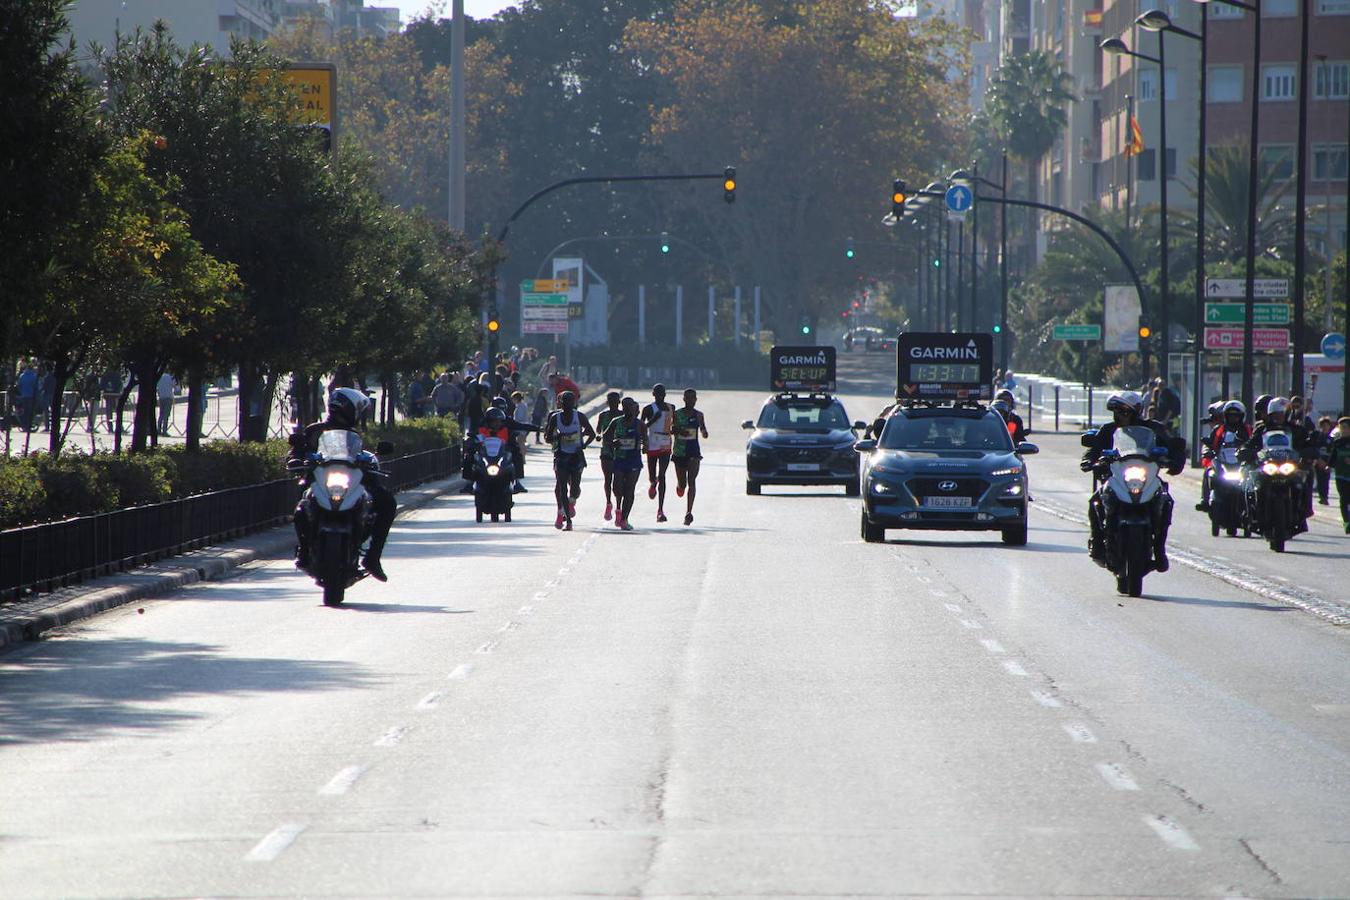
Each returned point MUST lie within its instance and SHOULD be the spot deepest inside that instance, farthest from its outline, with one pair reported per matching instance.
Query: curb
(81, 602)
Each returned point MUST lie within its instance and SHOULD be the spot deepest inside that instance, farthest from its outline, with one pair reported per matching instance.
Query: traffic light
(937, 263)
(494, 325)
(806, 325)
(1144, 332)
(848, 248)
(729, 184)
(665, 242)
(898, 196)
(998, 329)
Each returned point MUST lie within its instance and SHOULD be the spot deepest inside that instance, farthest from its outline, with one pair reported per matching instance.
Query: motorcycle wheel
(333, 565)
(1213, 528)
(333, 594)
(1275, 533)
(506, 516)
(1138, 558)
(494, 517)
(1232, 532)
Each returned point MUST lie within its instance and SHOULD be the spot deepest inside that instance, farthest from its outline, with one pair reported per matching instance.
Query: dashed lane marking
(1013, 667)
(1172, 833)
(526, 610)
(1046, 699)
(1117, 777)
(992, 645)
(1080, 733)
(393, 737)
(952, 607)
(967, 623)
(342, 781)
(431, 700)
(487, 647)
(275, 843)
(460, 672)
(509, 627)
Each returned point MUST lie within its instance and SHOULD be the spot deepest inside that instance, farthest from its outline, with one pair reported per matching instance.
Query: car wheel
(752, 487)
(852, 489)
(872, 534)
(1016, 536)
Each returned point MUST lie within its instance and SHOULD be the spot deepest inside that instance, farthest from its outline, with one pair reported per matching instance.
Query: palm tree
(1226, 207)
(1025, 105)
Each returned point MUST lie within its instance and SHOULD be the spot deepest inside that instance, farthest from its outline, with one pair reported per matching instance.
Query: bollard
(1056, 407)
(1031, 405)
(1089, 406)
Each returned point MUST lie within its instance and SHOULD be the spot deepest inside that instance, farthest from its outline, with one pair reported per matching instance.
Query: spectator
(1169, 402)
(47, 394)
(540, 413)
(164, 391)
(447, 396)
(1320, 438)
(89, 392)
(1009, 380)
(417, 397)
(558, 382)
(1338, 458)
(111, 386)
(28, 396)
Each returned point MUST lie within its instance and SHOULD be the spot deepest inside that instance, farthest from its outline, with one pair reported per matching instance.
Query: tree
(1226, 207)
(1025, 105)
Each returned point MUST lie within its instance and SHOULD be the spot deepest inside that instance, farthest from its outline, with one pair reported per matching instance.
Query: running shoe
(651, 491)
(609, 511)
(571, 509)
(567, 525)
(558, 522)
(660, 515)
(689, 518)
(679, 490)
(626, 527)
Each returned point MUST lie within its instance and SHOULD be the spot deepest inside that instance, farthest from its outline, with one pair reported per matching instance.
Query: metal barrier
(57, 554)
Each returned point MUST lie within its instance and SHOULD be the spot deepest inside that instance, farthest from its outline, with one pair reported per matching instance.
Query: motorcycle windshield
(492, 446)
(1228, 456)
(339, 445)
(1277, 440)
(1134, 440)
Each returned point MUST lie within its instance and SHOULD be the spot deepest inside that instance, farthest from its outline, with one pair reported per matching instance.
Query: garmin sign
(802, 369)
(935, 366)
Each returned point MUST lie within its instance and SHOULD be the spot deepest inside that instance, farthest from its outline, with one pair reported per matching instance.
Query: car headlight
(494, 470)
(881, 487)
(1011, 470)
(1012, 490)
(1288, 468)
(1270, 468)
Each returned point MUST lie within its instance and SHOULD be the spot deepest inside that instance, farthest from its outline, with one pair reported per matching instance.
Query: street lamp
(963, 175)
(1157, 20)
(1254, 8)
(1117, 46)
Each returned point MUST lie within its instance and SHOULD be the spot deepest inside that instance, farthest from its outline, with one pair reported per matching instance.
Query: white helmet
(1126, 400)
(1277, 406)
(346, 405)
(1235, 406)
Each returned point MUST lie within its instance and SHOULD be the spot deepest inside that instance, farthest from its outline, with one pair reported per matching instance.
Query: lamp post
(1002, 188)
(1117, 46)
(1159, 21)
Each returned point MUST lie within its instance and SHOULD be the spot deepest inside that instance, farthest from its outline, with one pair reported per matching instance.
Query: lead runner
(658, 416)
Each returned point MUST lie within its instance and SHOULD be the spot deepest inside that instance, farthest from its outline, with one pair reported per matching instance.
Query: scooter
(493, 475)
(1132, 501)
(1273, 501)
(1227, 496)
(339, 509)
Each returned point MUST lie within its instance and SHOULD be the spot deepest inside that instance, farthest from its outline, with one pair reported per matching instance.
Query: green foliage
(23, 496)
(222, 464)
(1026, 104)
(415, 435)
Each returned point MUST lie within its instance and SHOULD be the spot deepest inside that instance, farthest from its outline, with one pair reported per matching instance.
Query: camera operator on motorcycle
(1232, 426)
(345, 408)
(496, 423)
(1126, 408)
(1275, 419)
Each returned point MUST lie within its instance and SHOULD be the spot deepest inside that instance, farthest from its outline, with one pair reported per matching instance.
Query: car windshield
(945, 433)
(787, 417)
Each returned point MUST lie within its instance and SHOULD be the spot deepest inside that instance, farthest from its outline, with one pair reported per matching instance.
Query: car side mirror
(384, 448)
(1089, 438)
(865, 446)
(859, 425)
(1026, 448)
(747, 425)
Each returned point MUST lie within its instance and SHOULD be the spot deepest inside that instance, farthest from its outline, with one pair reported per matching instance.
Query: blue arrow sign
(959, 198)
(1333, 345)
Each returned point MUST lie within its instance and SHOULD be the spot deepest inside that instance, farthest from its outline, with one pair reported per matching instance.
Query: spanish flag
(1136, 142)
(1092, 18)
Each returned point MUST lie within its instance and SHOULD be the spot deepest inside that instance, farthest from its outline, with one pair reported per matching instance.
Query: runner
(628, 436)
(570, 433)
(608, 452)
(688, 425)
(657, 416)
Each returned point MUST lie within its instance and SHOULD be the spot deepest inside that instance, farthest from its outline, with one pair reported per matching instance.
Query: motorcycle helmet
(1215, 411)
(1126, 400)
(1260, 405)
(1234, 408)
(1001, 407)
(1278, 406)
(495, 417)
(345, 407)
(1007, 396)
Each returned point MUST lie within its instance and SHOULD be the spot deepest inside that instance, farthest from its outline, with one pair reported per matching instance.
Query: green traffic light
(998, 329)
(937, 263)
(849, 252)
(806, 329)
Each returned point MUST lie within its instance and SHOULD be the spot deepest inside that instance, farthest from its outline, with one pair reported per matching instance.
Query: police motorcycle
(1132, 500)
(493, 475)
(340, 512)
(1272, 484)
(1228, 489)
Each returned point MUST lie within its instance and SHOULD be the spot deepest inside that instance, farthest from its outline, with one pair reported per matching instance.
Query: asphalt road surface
(756, 705)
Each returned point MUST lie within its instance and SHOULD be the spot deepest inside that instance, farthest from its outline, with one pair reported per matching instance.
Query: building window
(1333, 7)
(1171, 163)
(1224, 11)
(1278, 82)
(1147, 165)
(1332, 80)
(1225, 84)
(1277, 160)
(1329, 162)
(1170, 84)
(1275, 9)
(1148, 85)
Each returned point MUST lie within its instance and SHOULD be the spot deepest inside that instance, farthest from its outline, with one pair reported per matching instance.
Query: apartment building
(210, 22)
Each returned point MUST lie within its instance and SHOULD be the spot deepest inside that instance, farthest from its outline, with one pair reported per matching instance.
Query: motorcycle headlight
(1232, 475)
(337, 483)
(1288, 468)
(1135, 473)
(1270, 468)
(493, 470)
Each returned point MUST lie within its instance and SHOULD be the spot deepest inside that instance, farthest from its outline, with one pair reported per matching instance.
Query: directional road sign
(1231, 338)
(1236, 288)
(544, 285)
(1333, 345)
(959, 199)
(1235, 313)
(544, 313)
(1077, 333)
(535, 326)
(532, 299)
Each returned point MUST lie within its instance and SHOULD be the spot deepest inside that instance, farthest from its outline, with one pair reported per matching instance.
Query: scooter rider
(1232, 423)
(345, 407)
(1126, 408)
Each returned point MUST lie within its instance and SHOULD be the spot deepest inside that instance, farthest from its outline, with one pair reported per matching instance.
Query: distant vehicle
(869, 338)
(944, 467)
(801, 439)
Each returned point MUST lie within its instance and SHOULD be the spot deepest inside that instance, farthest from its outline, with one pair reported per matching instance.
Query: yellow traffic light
(494, 325)
(1145, 331)
(729, 184)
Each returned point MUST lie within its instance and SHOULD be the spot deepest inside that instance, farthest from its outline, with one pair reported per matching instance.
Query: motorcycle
(1227, 496)
(339, 509)
(1131, 500)
(493, 474)
(1273, 483)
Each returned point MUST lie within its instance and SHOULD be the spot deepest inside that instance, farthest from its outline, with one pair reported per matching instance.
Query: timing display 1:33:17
(960, 373)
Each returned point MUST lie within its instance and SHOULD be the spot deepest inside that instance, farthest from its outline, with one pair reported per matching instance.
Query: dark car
(944, 467)
(801, 440)
(868, 337)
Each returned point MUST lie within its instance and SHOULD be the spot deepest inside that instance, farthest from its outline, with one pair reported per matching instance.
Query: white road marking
(392, 737)
(540, 596)
(342, 781)
(1172, 833)
(1117, 777)
(992, 645)
(969, 624)
(1013, 667)
(430, 701)
(509, 627)
(924, 579)
(563, 571)
(276, 842)
(1080, 733)
(936, 593)
(952, 607)
(551, 584)
(1046, 699)
(460, 672)
(526, 610)
(487, 647)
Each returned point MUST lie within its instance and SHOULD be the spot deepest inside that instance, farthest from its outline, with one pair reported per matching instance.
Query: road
(756, 705)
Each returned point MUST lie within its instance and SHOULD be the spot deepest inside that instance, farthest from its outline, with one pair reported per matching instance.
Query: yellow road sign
(315, 85)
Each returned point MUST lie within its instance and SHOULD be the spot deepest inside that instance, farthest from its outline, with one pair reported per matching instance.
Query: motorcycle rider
(496, 423)
(1016, 428)
(1127, 409)
(345, 408)
(1276, 414)
(1232, 423)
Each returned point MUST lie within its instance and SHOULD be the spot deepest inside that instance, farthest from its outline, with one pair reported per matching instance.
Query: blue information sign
(1333, 345)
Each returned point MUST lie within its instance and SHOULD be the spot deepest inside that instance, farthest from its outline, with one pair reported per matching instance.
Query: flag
(1135, 146)
(1092, 18)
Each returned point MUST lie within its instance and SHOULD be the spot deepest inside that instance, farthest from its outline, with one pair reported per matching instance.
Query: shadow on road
(1232, 604)
(76, 692)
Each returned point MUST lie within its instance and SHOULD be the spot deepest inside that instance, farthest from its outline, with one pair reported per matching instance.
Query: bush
(135, 479)
(415, 435)
(74, 488)
(23, 496)
(225, 464)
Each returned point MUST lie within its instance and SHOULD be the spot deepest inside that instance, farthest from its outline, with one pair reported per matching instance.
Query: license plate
(803, 467)
(949, 502)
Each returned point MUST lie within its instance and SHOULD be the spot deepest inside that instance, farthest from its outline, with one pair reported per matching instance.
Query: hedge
(37, 488)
